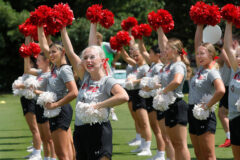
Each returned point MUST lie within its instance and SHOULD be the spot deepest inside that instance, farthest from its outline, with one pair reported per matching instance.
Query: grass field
(15, 135)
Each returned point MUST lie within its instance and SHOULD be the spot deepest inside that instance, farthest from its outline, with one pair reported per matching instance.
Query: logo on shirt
(237, 76)
(54, 75)
(40, 79)
(92, 89)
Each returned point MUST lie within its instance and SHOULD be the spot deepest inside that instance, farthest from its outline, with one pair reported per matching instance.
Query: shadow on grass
(123, 153)
(10, 150)
(16, 137)
(10, 158)
(3, 144)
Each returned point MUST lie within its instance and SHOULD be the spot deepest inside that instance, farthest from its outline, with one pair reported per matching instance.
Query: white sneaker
(114, 116)
(30, 149)
(145, 152)
(35, 157)
(156, 157)
(134, 142)
(139, 149)
(28, 156)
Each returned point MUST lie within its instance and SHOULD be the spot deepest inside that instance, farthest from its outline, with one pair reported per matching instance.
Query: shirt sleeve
(39, 71)
(213, 74)
(179, 68)
(110, 82)
(66, 74)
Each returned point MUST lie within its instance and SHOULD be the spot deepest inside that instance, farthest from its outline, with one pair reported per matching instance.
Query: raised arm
(224, 57)
(198, 40)
(92, 34)
(143, 51)
(73, 58)
(127, 58)
(228, 46)
(162, 39)
(43, 41)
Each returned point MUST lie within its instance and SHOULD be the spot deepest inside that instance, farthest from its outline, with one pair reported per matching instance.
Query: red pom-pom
(123, 38)
(40, 15)
(229, 12)
(161, 19)
(141, 30)
(24, 51)
(114, 43)
(202, 13)
(129, 23)
(94, 13)
(64, 14)
(35, 49)
(236, 21)
(107, 18)
(27, 29)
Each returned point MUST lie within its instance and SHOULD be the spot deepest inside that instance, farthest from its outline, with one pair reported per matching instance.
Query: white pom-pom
(162, 101)
(31, 82)
(145, 94)
(87, 114)
(129, 84)
(200, 113)
(238, 105)
(153, 81)
(28, 93)
(48, 97)
(17, 92)
(145, 82)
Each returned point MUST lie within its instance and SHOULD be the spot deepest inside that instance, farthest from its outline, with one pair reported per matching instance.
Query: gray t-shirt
(129, 69)
(140, 72)
(57, 80)
(94, 91)
(225, 73)
(201, 84)
(43, 79)
(168, 74)
(234, 94)
(154, 69)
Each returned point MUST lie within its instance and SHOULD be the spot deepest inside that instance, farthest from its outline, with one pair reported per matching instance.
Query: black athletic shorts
(63, 120)
(92, 142)
(28, 105)
(160, 115)
(39, 114)
(224, 101)
(137, 101)
(199, 127)
(235, 131)
(130, 94)
(177, 113)
(149, 104)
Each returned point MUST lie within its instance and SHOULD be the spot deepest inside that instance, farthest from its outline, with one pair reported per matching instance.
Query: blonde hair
(98, 50)
(177, 45)
(212, 51)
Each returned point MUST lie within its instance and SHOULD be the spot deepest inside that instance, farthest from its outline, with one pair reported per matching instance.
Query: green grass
(15, 135)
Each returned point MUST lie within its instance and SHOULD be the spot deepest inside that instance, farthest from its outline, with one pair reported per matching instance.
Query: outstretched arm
(162, 39)
(73, 58)
(143, 51)
(228, 46)
(127, 58)
(43, 41)
(198, 40)
(92, 35)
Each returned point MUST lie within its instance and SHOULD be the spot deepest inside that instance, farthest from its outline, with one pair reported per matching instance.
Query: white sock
(47, 158)
(161, 153)
(168, 159)
(138, 136)
(142, 143)
(53, 158)
(228, 135)
(36, 152)
(147, 145)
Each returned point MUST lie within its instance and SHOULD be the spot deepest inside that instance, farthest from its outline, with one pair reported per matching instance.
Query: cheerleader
(61, 82)
(42, 73)
(94, 140)
(206, 81)
(153, 59)
(140, 69)
(234, 91)
(172, 80)
(29, 112)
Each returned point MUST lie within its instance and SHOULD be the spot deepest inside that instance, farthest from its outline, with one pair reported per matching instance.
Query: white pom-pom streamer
(200, 113)
(31, 82)
(145, 94)
(238, 105)
(28, 93)
(17, 92)
(145, 81)
(162, 101)
(129, 84)
(48, 97)
(87, 114)
(153, 81)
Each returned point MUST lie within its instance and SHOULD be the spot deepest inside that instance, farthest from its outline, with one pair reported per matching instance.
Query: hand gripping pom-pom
(145, 94)
(24, 51)
(200, 113)
(129, 23)
(48, 97)
(30, 84)
(162, 101)
(145, 82)
(128, 84)
(17, 92)
(87, 114)
(153, 81)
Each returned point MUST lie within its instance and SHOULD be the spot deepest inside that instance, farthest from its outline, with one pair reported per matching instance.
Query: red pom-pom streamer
(27, 29)
(161, 19)
(35, 49)
(94, 13)
(65, 14)
(236, 21)
(129, 23)
(107, 18)
(121, 39)
(141, 30)
(202, 13)
(24, 51)
(229, 12)
(41, 15)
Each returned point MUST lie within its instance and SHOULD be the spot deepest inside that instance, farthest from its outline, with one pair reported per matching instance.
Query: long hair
(212, 51)
(177, 45)
(98, 50)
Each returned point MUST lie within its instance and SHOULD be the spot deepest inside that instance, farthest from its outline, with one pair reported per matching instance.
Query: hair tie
(184, 52)
(215, 58)
(105, 65)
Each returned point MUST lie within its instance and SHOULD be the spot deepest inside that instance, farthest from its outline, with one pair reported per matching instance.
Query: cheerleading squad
(153, 90)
